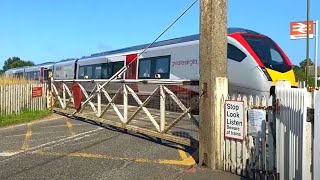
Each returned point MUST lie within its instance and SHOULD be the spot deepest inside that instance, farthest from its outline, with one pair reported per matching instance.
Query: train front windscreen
(268, 53)
(272, 58)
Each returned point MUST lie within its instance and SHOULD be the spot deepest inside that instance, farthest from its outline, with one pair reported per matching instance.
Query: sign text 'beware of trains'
(234, 120)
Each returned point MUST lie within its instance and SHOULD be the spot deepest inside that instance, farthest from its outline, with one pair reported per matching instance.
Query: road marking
(53, 143)
(26, 141)
(70, 128)
(189, 161)
(17, 135)
(62, 126)
(8, 154)
(182, 154)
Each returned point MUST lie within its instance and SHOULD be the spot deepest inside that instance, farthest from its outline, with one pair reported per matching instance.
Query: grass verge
(25, 116)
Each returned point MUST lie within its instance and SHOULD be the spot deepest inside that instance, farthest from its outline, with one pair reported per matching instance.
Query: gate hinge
(310, 114)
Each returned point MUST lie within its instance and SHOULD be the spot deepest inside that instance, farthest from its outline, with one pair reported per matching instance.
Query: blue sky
(44, 30)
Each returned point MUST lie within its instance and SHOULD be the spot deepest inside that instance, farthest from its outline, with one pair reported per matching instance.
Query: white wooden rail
(17, 98)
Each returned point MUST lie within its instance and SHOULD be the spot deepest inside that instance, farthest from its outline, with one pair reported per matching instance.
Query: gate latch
(310, 114)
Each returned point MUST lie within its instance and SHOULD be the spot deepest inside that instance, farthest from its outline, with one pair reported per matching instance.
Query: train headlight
(266, 74)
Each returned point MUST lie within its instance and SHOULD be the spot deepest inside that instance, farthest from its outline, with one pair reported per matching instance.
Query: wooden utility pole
(213, 80)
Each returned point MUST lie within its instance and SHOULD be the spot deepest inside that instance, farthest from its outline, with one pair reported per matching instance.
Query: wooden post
(125, 103)
(99, 103)
(162, 109)
(213, 80)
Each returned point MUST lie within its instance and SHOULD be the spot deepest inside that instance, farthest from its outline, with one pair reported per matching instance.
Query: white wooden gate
(255, 156)
(293, 134)
(282, 147)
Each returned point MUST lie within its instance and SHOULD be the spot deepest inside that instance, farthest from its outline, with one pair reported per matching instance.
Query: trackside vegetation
(23, 117)
(12, 81)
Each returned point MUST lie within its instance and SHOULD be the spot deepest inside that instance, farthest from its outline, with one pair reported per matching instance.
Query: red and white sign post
(298, 30)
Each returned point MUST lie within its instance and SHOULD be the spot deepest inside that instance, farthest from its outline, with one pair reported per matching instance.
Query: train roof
(194, 37)
(66, 61)
(15, 70)
(45, 63)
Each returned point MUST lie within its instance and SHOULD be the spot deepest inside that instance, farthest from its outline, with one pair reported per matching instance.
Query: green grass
(25, 116)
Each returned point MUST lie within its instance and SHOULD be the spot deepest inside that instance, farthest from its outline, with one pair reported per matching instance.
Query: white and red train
(255, 62)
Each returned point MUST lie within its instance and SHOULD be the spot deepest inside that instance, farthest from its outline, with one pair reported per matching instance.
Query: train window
(81, 72)
(144, 68)
(268, 53)
(235, 53)
(97, 72)
(162, 65)
(149, 68)
(275, 56)
(117, 66)
(106, 71)
(89, 73)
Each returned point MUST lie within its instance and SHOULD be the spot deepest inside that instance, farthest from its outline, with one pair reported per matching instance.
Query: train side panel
(184, 60)
(64, 70)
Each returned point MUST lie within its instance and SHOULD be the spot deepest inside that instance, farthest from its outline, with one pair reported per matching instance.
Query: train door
(47, 74)
(41, 78)
(132, 70)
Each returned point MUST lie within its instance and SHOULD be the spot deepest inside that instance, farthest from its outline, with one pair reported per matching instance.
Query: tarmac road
(66, 148)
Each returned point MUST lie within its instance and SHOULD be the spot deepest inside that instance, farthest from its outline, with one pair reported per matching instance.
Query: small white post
(125, 104)
(162, 109)
(99, 103)
(64, 96)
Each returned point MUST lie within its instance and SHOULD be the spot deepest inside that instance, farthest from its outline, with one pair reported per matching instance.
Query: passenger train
(39, 72)
(255, 63)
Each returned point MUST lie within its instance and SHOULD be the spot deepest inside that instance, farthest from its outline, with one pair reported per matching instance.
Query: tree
(15, 62)
(299, 73)
(303, 63)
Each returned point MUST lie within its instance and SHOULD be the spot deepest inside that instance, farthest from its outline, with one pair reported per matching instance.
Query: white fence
(17, 98)
(255, 156)
(278, 144)
(316, 140)
(293, 134)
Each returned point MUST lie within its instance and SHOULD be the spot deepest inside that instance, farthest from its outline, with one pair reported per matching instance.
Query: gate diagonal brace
(135, 96)
(57, 95)
(69, 92)
(86, 95)
(111, 103)
(141, 106)
(70, 96)
(180, 104)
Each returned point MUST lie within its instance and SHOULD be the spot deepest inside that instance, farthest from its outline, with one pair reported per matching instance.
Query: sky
(44, 30)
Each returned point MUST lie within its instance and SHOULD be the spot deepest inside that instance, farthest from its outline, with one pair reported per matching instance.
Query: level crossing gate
(160, 108)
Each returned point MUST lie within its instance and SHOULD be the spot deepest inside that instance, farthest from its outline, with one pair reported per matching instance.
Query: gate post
(213, 80)
(49, 92)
